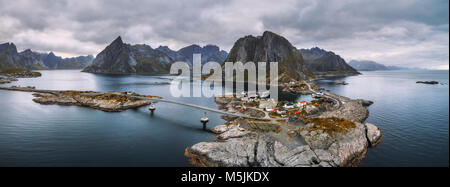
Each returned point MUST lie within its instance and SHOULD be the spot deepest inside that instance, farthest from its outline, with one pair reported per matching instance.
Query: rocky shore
(334, 136)
(108, 102)
(7, 80)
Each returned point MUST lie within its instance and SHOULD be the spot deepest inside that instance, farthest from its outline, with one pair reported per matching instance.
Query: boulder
(311, 110)
(373, 134)
(220, 129)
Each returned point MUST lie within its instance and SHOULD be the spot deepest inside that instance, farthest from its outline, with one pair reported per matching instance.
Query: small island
(105, 101)
(19, 73)
(427, 82)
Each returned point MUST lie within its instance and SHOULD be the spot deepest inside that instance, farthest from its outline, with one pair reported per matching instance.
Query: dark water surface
(413, 117)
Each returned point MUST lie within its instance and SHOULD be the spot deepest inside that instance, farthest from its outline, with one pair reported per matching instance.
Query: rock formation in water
(10, 58)
(326, 62)
(271, 47)
(367, 65)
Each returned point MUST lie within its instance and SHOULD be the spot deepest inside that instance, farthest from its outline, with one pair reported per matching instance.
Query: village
(262, 106)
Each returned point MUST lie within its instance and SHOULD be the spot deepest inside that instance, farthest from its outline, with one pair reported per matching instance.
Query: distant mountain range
(322, 61)
(294, 64)
(367, 65)
(210, 53)
(27, 59)
(122, 58)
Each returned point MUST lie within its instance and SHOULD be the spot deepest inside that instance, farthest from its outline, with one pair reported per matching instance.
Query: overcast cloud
(392, 32)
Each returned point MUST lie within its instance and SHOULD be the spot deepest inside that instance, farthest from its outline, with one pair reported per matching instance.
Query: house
(300, 104)
(288, 106)
(269, 109)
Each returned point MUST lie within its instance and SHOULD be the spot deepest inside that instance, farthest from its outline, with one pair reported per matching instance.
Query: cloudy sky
(411, 33)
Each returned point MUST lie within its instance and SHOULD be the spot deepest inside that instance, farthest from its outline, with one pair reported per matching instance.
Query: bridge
(155, 100)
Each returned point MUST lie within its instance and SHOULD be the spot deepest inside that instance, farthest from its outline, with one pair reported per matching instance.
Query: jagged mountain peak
(11, 47)
(118, 40)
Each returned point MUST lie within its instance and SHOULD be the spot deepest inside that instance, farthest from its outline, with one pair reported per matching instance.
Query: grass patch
(330, 125)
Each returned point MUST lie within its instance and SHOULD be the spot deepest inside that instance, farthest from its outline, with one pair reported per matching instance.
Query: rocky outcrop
(19, 73)
(271, 47)
(108, 102)
(7, 80)
(353, 110)
(332, 136)
(374, 135)
(326, 62)
(242, 147)
(338, 82)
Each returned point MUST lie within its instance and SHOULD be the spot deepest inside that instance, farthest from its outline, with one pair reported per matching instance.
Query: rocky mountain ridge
(122, 58)
(322, 61)
(28, 59)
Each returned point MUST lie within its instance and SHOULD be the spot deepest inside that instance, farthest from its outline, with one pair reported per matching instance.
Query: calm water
(413, 118)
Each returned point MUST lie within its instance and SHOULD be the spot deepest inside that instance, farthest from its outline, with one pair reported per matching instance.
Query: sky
(411, 33)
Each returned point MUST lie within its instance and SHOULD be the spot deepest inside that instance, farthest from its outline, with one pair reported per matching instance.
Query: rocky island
(108, 102)
(329, 132)
(19, 73)
(427, 82)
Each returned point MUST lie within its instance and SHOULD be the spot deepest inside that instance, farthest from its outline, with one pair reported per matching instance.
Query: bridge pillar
(152, 108)
(204, 120)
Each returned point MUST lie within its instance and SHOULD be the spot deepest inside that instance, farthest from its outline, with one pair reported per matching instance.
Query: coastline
(291, 142)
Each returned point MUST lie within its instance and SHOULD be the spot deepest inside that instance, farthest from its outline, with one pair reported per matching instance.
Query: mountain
(404, 68)
(271, 47)
(55, 62)
(322, 61)
(367, 65)
(210, 53)
(121, 58)
(10, 58)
